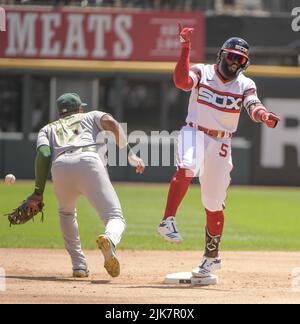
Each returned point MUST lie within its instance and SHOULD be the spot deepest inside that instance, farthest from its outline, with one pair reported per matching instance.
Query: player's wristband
(257, 112)
(38, 191)
(187, 45)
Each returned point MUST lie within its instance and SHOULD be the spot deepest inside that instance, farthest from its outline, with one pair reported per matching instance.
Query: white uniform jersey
(71, 132)
(215, 103)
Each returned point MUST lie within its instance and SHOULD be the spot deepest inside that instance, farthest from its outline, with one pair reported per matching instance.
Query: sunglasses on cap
(236, 57)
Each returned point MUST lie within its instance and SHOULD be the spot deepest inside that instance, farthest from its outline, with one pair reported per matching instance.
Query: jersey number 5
(224, 150)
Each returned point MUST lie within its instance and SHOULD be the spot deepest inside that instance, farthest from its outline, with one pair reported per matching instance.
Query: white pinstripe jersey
(216, 103)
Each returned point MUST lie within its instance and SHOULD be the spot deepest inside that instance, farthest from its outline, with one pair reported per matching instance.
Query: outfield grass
(256, 219)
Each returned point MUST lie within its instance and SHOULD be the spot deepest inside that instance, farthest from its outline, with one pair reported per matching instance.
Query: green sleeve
(42, 168)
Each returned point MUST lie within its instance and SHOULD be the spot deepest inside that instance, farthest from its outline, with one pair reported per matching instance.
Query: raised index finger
(179, 27)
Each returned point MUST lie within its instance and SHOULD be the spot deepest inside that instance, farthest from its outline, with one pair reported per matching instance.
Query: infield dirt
(44, 276)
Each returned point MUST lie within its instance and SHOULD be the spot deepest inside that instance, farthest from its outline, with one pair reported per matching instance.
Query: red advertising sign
(95, 34)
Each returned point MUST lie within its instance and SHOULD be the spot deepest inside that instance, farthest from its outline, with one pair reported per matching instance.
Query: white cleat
(168, 230)
(207, 267)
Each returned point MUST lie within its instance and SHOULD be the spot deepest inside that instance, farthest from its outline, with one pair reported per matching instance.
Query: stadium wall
(143, 94)
(261, 156)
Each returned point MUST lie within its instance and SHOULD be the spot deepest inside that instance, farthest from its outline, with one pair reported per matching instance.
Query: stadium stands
(231, 7)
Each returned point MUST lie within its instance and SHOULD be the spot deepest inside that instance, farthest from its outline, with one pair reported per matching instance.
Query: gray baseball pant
(85, 174)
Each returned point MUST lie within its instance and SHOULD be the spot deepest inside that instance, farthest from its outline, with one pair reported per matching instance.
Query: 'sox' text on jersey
(226, 102)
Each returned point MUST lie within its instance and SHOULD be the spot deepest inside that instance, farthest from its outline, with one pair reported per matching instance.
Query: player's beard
(227, 71)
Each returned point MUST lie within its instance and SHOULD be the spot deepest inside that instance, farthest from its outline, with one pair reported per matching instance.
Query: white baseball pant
(209, 159)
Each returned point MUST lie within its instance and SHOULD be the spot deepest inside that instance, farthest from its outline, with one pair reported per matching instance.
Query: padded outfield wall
(261, 155)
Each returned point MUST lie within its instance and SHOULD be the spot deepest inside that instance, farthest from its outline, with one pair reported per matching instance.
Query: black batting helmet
(238, 46)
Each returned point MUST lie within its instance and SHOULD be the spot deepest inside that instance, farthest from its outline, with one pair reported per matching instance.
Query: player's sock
(214, 231)
(215, 222)
(178, 188)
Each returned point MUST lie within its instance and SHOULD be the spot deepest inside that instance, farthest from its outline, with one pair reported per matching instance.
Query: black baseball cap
(69, 102)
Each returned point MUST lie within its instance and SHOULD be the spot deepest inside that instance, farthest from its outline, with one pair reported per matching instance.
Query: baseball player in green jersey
(69, 145)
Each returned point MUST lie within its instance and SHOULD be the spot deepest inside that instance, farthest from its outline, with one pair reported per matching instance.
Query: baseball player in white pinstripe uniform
(219, 92)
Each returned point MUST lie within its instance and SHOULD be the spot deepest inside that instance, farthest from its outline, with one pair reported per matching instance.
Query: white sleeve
(250, 94)
(98, 116)
(250, 99)
(43, 137)
(196, 72)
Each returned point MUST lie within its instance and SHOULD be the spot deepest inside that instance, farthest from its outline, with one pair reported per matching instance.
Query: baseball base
(187, 278)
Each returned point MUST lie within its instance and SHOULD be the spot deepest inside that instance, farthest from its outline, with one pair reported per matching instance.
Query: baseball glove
(27, 210)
